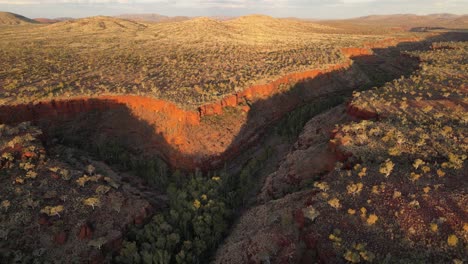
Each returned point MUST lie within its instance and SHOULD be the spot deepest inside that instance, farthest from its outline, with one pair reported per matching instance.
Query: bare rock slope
(391, 189)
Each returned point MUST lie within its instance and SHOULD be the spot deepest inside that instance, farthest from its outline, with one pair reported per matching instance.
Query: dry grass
(11, 19)
(394, 23)
(189, 62)
(46, 202)
(410, 164)
(399, 197)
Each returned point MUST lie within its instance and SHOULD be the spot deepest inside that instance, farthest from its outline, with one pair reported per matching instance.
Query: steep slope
(60, 209)
(190, 139)
(390, 189)
(215, 132)
(7, 18)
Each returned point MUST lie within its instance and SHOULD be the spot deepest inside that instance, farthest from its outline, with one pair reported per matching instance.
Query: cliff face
(189, 139)
(355, 190)
(181, 136)
(257, 92)
(354, 52)
(276, 229)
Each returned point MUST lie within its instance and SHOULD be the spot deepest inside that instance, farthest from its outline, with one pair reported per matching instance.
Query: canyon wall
(181, 136)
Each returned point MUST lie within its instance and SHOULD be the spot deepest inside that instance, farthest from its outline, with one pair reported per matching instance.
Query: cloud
(35, 2)
(357, 1)
(192, 3)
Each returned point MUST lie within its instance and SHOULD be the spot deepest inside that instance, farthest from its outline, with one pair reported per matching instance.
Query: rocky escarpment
(273, 231)
(386, 184)
(322, 206)
(187, 138)
(310, 157)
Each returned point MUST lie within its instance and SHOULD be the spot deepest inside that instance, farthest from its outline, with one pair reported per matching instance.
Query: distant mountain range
(161, 18)
(96, 24)
(54, 20)
(411, 20)
(153, 17)
(403, 21)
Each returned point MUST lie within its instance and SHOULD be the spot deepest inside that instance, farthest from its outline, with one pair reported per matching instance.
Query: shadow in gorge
(118, 131)
(367, 71)
(105, 128)
(93, 124)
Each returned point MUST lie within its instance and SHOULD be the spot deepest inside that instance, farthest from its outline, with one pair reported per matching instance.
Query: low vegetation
(406, 175)
(51, 209)
(396, 194)
(188, 62)
(11, 19)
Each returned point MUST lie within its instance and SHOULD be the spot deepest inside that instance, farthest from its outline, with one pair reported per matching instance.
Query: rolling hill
(235, 53)
(248, 140)
(7, 18)
(261, 24)
(96, 24)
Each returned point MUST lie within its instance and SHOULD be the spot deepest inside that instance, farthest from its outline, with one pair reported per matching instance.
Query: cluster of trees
(194, 223)
(152, 169)
(201, 208)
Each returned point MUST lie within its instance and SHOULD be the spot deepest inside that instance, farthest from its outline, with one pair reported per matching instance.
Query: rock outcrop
(185, 138)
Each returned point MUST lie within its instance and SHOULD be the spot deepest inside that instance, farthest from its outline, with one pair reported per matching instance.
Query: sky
(321, 9)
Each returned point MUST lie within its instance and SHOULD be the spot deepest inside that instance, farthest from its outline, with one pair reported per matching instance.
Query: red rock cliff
(179, 135)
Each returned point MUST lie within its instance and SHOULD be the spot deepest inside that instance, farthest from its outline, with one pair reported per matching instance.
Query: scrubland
(395, 188)
(189, 62)
(379, 178)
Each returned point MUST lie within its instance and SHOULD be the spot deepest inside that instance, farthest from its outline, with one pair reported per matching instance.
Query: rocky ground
(380, 179)
(391, 189)
(60, 208)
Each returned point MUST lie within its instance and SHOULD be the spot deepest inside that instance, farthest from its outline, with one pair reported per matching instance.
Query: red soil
(265, 90)
(353, 52)
(179, 135)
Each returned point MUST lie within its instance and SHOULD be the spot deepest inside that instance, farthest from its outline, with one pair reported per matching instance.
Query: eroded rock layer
(188, 138)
